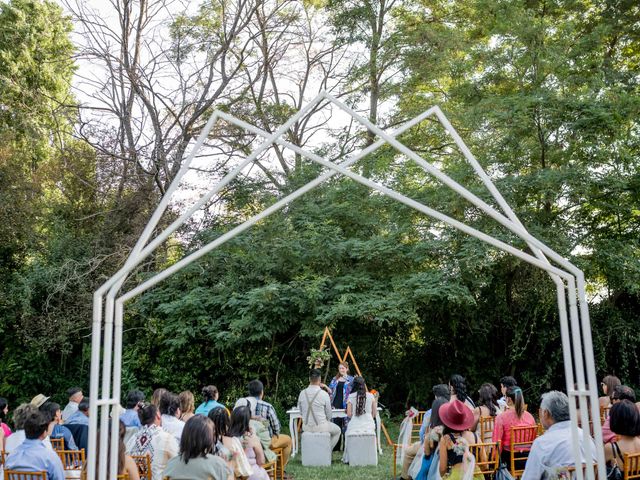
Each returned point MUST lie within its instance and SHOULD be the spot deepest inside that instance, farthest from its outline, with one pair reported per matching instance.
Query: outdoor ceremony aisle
(340, 471)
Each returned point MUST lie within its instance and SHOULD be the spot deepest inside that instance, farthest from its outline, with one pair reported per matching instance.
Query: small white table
(294, 415)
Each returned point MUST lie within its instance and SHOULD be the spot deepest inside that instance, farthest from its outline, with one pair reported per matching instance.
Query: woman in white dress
(360, 407)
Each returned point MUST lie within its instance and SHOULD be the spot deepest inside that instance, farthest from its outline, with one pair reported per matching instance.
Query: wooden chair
(631, 467)
(521, 440)
(570, 472)
(279, 451)
(416, 424)
(57, 443)
(71, 459)
(271, 469)
(396, 447)
(487, 456)
(3, 457)
(143, 462)
(486, 428)
(15, 475)
(604, 413)
(123, 476)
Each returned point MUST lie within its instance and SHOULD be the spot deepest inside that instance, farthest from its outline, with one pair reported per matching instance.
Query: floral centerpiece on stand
(318, 357)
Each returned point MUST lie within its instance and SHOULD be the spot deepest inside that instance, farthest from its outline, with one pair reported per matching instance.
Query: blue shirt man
(130, 418)
(33, 455)
(60, 431)
(135, 398)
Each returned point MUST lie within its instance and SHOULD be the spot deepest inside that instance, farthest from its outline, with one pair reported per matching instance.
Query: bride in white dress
(360, 407)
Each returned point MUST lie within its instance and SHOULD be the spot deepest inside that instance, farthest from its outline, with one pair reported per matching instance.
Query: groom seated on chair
(315, 408)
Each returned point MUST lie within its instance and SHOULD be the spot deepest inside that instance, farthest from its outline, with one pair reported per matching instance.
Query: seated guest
(33, 455)
(20, 415)
(75, 397)
(78, 424)
(264, 411)
(157, 395)
(620, 392)
(625, 423)
(126, 465)
(170, 410)
(4, 411)
(440, 392)
(608, 384)
(555, 448)
(52, 410)
(432, 439)
(362, 408)
(487, 405)
(505, 384)
(514, 416)
(240, 429)
(39, 400)
(210, 394)
(223, 444)
(130, 416)
(187, 405)
(315, 408)
(153, 440)
(196, 459)
(261, 431)
(454, 444)
(458, 388)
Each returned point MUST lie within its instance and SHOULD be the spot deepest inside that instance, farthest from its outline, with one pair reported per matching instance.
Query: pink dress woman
(259, 473)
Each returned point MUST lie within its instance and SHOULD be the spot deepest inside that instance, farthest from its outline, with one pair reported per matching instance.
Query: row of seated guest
(214, 446)
(551, 450)
(175, 409)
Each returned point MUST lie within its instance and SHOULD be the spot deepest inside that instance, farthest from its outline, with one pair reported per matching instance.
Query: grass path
(340, 471)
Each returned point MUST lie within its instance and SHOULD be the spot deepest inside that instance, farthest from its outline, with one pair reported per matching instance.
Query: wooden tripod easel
(348, 353)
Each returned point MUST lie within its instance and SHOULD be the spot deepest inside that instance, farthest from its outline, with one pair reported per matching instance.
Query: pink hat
(456, 415)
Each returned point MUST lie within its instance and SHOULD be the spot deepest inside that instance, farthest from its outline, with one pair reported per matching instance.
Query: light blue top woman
(210, 394)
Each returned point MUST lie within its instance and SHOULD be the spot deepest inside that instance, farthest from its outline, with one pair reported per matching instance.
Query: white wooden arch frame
(108, 304)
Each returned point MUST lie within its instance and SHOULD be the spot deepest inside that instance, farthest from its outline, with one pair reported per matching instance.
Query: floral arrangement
(318, 357)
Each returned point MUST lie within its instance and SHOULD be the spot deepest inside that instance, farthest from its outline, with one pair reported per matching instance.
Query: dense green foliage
(545, 93)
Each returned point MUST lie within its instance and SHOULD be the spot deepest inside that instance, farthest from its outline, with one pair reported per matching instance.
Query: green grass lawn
(338, 470)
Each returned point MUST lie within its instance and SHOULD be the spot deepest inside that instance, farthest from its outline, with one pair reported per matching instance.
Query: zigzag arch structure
(109, 301)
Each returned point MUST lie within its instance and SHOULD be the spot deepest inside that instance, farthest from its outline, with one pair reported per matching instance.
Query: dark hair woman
(431, 438)
(5, 431)
(625, 423)
(458, 388)
(241, 430)
(196, 458)
(4, 411)
(361, 409)
(487, 405)
(608, 384)
(514, 416)
(210, 397)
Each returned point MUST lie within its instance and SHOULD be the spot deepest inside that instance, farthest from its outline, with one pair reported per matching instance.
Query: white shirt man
(173, 425)
(75, 397)
(315, 408)
(555, 448)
